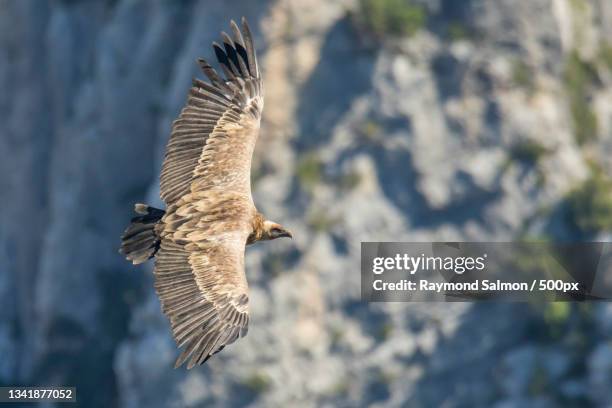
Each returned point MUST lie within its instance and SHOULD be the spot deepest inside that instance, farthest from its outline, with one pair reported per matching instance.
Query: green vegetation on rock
(605, 55)
(309, 171)
(591, 203)
(579, 78)
(458, 31)
(523, 76)
(257, 382)
(370, 132)
(390, 18)
(349, 181)
(321, 221)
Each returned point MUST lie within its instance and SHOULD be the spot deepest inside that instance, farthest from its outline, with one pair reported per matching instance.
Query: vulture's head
(272, 230)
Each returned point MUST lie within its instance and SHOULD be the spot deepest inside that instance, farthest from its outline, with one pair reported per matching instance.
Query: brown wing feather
(215, 134)
(204, 293)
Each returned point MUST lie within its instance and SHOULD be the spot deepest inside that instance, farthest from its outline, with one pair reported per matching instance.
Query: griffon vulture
(199, 241)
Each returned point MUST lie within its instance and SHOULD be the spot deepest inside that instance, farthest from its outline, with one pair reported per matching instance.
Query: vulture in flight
(199, 241)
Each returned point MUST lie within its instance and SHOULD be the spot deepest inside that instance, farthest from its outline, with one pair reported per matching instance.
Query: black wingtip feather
(231, 53)
(224, 61)
(237, 57)
(220, 53)
(240, 50)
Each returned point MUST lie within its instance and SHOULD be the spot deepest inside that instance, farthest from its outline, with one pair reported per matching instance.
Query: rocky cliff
(487, 120)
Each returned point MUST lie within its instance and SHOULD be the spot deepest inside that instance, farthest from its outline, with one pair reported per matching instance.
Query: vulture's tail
(140, 241)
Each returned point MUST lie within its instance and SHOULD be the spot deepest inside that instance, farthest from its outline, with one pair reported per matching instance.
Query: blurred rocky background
(388, 120)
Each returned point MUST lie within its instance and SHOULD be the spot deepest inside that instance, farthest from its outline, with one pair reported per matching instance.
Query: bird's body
(199, 240)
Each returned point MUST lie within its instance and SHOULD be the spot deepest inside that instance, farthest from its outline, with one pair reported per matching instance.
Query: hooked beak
(286, 234)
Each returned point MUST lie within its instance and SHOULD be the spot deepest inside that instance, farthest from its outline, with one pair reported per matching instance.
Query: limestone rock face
(462, 131)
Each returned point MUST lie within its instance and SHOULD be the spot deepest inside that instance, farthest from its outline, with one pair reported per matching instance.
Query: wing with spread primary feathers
(205, 182)
(211, 310)
(212, 141)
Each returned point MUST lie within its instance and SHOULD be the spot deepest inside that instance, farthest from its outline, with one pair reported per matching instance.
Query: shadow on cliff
(344, 72)
(520, 346)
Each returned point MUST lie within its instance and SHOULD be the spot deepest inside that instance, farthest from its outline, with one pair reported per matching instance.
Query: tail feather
(140, 241)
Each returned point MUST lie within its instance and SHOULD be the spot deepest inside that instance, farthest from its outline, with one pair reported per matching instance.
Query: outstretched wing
(204, 293)
(213, 139)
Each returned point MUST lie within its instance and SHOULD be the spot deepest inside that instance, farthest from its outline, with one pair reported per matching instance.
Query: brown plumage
(199, 241)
